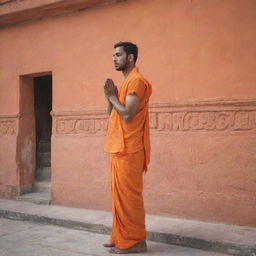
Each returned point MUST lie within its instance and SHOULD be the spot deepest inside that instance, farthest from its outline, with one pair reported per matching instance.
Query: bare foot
(109, 245)
(137, 248)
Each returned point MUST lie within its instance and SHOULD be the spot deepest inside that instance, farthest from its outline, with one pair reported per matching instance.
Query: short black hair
(129, 48)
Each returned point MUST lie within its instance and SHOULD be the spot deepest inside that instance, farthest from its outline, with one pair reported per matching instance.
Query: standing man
(129, 148)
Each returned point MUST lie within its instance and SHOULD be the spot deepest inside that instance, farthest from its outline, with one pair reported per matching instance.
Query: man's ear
(131, 57)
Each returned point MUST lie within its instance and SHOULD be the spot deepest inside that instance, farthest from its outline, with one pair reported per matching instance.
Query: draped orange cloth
(129, 145)
(130, 137)
(128, 227)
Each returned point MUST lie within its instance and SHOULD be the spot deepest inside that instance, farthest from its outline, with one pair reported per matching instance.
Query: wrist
(112, 98)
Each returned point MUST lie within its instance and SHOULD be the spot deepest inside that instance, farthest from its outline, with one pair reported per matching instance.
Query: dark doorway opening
(36, 123)
(43, 119)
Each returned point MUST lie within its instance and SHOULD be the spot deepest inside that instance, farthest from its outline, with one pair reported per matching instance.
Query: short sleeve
(137, 87)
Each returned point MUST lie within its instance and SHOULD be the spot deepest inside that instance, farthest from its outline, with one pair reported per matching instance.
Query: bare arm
(110, 107)
(127, 110)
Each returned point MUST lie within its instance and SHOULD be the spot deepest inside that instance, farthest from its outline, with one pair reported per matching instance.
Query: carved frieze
(7, 126)
(231, 116)
(204, 121)
(81, 126)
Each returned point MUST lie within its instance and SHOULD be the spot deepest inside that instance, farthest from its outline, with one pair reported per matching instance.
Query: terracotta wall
(200, 58)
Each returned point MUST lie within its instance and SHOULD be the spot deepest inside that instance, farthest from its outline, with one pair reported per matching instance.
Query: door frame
(26, 138)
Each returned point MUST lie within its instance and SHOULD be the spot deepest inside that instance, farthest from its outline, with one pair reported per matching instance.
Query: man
(129, 148)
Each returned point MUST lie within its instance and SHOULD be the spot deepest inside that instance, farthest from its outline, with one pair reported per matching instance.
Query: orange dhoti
(128, 227)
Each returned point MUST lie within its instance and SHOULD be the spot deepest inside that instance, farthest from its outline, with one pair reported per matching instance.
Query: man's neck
(127, 71)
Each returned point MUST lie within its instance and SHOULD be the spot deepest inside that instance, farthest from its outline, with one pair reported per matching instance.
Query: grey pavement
(22, 238)
(215, 237)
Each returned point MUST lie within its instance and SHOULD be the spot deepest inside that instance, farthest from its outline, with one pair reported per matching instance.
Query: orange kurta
(128, 143)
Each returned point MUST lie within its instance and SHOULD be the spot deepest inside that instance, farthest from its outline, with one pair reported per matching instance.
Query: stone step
(41, 194)
(42, 186)
(44, 146)
(43, 173)
(43, 158)
(36, 198)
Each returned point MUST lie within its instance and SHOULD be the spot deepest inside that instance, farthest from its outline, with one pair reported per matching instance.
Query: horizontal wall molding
(166, 118)
(196, 116)
(16, 11)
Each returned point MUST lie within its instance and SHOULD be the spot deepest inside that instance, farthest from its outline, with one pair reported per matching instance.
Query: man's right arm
(110, 107)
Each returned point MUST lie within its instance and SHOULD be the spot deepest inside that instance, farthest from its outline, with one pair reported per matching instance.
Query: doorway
(43, 131)
(34, 138)
(43, 123)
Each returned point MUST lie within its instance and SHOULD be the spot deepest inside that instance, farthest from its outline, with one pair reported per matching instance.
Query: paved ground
(214, 237)
(20, 238)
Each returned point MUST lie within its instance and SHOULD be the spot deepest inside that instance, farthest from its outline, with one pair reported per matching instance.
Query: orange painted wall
(191, 51)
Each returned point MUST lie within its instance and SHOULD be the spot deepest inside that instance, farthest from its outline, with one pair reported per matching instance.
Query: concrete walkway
(227, 239)
(20, 238)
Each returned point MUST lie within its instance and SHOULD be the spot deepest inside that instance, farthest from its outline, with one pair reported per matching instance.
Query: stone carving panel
(7, 127)
(206, 121)
(81, 126)
(169, 118)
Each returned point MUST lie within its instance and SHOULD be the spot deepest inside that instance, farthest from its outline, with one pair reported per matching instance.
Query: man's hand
(127, 110)
(110, 89)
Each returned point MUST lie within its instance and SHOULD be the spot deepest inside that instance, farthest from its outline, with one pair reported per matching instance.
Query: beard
(119, 68)
(122, 67)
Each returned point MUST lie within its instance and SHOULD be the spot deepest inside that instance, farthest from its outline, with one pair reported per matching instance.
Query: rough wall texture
(200, 58)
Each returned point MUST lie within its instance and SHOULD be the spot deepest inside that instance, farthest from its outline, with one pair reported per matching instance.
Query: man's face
(120, 59)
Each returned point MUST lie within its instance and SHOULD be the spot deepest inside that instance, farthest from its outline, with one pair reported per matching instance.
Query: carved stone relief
(204, 121)
(7, 127)
(169, 118)
(81, 126)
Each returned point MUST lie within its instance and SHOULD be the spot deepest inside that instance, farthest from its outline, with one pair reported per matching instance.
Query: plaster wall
(200, 58)
(8, 174)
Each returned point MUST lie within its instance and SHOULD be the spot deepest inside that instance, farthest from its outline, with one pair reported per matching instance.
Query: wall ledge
(15, 11)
